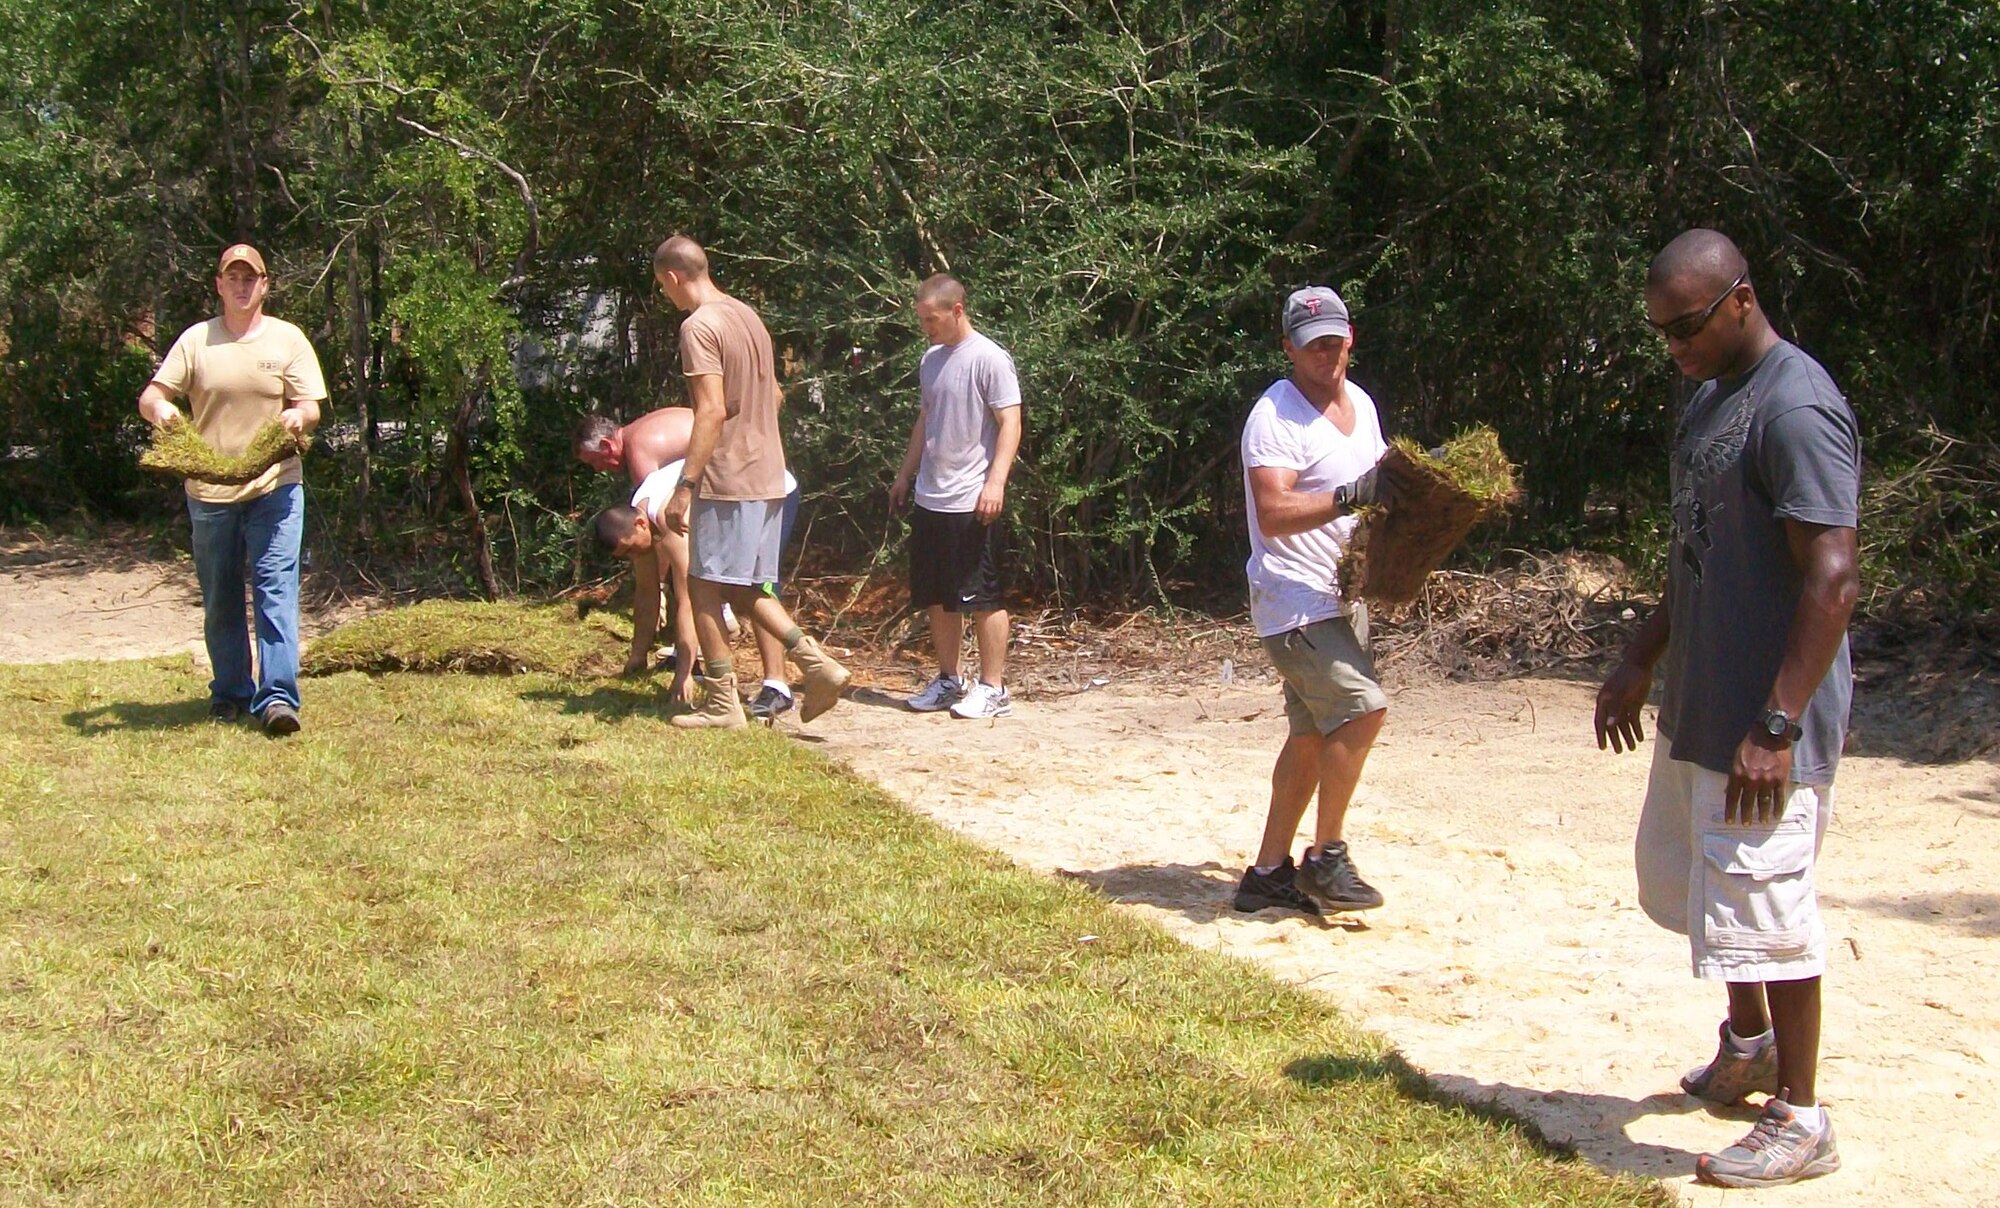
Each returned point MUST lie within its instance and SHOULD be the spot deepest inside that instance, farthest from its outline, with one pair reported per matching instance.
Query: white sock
(1747, 1046)
(1811, 1117)
(1265, 870)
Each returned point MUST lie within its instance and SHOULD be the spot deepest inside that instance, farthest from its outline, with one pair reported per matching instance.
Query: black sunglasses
(1689, 325)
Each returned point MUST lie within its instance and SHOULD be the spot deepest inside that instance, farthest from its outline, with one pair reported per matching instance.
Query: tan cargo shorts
(1329, 674)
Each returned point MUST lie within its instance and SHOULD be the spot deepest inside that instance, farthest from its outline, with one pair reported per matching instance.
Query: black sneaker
(770, 704)
(1274, 890)
(224, 710)
(280, 719)
(1332, 881)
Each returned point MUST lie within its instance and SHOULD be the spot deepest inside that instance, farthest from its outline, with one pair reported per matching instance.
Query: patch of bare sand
(1511, 962)
(112, 596)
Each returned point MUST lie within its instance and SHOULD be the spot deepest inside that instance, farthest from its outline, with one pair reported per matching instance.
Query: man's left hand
(1759, 780)
(675, 514)
(991, 498)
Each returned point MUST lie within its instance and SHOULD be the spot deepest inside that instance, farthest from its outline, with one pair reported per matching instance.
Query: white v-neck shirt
(1295, 580)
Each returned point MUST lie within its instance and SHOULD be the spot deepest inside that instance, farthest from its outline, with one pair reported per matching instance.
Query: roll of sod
(1432, 503)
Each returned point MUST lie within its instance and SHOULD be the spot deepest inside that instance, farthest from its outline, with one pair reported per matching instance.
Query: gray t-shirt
(1777, 444)
(963, 384)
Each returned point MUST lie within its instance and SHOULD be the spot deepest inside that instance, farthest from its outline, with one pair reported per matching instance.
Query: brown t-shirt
(726, 337)
(233, 386)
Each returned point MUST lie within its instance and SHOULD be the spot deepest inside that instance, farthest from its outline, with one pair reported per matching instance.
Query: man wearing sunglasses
(1761, 581)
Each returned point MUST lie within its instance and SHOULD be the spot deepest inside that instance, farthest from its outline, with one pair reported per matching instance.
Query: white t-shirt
(962, 385)
(658, 487)
(1295, 580)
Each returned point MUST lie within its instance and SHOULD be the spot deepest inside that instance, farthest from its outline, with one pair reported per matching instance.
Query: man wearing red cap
(237, 372)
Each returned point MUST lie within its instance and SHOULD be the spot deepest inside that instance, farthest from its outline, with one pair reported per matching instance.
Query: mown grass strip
(482, 940)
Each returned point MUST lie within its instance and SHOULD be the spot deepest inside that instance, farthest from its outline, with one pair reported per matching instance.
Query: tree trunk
(358, 325)
(458, 461)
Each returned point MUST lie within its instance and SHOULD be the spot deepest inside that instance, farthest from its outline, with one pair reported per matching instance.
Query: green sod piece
(1432, 504)
(179, 450)
(506, 638)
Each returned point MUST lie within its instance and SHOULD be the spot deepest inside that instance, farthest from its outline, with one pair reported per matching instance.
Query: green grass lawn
(509, 940)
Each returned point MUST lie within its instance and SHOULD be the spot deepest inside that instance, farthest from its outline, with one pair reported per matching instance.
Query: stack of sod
(448, 637)
(1432, 503)
(179, 450)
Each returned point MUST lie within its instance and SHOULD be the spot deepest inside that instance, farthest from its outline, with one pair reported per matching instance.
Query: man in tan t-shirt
(237, 372)
(730, 499)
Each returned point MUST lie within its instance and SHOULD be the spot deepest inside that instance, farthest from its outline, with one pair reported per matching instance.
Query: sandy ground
(1510, 963)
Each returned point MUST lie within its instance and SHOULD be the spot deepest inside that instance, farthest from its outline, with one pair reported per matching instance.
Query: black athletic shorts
(954, 561)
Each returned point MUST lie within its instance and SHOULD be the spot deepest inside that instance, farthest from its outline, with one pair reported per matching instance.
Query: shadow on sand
(1606, 1145)
(1199, 893)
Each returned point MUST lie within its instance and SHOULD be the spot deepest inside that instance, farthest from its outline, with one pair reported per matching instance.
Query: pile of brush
(179, 450)
(1431, 504)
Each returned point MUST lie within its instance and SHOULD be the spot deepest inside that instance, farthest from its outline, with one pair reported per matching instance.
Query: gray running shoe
(1274, 890)
(1776, 1151)
(1330, 877)
(940, 694)
(1729, 1077)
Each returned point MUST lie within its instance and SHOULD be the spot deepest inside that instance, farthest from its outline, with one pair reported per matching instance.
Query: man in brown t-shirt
(731, 496)
(239, 371)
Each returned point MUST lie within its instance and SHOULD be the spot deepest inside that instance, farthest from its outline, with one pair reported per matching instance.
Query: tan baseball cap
(240, 253)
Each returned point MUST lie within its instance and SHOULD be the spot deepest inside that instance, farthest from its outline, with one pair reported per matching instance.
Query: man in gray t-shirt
(961, 450)
(1761, 581)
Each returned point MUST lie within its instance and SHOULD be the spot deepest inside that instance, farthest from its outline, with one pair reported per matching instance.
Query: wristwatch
(1779, 725)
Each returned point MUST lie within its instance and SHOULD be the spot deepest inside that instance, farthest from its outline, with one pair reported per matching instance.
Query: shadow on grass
(609, 703)
(132, 715)
(1200, 893)
(1603, 1144)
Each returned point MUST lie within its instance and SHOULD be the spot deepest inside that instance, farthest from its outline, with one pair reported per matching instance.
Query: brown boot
(720, 708)
(824, 679)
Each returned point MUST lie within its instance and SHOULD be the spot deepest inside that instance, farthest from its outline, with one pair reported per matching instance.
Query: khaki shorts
(1329, 675)
(1744, 895)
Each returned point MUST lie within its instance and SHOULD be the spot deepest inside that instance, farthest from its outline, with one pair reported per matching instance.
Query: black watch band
(1779, 724)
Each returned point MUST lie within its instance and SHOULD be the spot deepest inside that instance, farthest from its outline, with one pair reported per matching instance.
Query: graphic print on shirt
(1698, 461)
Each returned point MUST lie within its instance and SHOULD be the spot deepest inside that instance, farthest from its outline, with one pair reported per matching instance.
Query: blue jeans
(265, 532)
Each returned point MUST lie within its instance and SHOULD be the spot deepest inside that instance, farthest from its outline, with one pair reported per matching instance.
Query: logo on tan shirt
(270, 366)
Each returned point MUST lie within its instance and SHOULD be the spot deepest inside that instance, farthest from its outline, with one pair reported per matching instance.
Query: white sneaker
(941, 693)
(983, 700)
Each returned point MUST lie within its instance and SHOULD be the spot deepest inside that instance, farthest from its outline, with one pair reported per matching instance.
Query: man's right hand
(1619, 703)
(1362, 492)
(899, 493)
(161, 414)
(674, 517)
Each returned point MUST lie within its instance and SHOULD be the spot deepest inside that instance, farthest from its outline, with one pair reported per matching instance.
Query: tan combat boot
(720, 708)
(824, 679)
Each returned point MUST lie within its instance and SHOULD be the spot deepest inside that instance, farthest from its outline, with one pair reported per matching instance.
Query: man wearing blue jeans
(237, 372)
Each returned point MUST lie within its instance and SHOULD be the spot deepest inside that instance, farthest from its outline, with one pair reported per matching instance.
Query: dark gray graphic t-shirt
(1777, 444)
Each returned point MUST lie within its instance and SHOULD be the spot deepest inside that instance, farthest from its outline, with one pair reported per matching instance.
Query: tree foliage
(459, 199)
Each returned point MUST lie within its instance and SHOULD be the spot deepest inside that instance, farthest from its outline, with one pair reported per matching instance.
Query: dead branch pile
(1550, 612)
